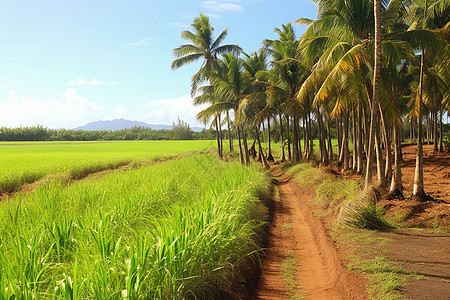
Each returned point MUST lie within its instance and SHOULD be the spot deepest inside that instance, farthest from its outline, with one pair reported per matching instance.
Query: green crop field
(182, 228)
(26, 162)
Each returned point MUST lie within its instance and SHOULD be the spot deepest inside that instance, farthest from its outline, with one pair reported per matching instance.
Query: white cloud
(222, 6)
(141, 42)
(67, 111)
(167, 110)
(82, 81)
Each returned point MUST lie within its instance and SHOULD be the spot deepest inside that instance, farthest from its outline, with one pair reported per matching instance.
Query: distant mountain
(118, 124)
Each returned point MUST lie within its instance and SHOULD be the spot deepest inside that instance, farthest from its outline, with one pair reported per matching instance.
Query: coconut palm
(433, 14)
(231, 84)
(203, 46)
(288, 73)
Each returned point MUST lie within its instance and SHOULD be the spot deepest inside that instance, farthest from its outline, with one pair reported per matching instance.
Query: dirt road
(302, 260)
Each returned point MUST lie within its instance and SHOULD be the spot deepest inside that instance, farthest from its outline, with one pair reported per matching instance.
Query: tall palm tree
(376, 80)
(203, 46)
(231, 84)
(288, 73)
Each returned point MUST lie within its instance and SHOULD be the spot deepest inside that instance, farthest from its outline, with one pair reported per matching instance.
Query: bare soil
(436, 171)
(424, 253)
(298, 232)
(436, 184)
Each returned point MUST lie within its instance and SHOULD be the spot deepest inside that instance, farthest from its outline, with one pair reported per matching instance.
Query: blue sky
(66, 63)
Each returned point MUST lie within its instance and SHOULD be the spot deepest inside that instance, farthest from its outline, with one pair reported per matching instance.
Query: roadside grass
(330, 192)
(186, 228)
(26, 162)
(386, 278)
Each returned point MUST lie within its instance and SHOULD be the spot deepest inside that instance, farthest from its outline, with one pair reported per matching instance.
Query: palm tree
(287, 75)
(435, 16)
(374, 105)
(203, 46)
(337, 47)
(231, 84)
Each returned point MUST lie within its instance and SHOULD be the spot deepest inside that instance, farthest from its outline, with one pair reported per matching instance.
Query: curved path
(302, 260)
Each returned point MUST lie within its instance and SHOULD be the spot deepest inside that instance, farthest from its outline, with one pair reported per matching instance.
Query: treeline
(361, 71)
(40, 133)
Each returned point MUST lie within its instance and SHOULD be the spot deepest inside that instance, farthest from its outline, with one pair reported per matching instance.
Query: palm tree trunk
(376, 81)
(241, 154)
(219, 152)
(388, 169)
(311, 140)
(418, 189)
(410, 131)
(221, 137)
(247, 154)
(252, 150)
(380, 162)
(295, 157)
(263, 157)
(396, 182)
(322, 145)
(230, 139)
(283, 156)
(339, 137)
(441, 135)
(288, 138)
(345, 148)
(360, 165)
(269, 155)
(388, 166)
(305, 139)
(299, 140)
(435, 127)
(366, 123)
(355, 148)
(330, 145)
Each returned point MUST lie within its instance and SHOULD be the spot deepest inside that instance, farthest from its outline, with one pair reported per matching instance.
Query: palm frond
(179, 62)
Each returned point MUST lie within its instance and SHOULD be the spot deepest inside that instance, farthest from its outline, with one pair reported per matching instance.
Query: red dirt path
(296, 230)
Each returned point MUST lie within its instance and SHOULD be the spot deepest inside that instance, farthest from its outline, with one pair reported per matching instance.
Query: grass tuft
(362, 212)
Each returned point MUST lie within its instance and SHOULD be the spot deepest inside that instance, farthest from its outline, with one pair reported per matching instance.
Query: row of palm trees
(362, 67)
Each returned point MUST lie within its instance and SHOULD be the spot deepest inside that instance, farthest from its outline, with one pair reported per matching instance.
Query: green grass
(179, 229)
(289, 267)
(26, 162)
(386, 277)
(330, 191)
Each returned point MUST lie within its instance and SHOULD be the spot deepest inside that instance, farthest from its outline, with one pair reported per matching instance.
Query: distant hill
(118, 124)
